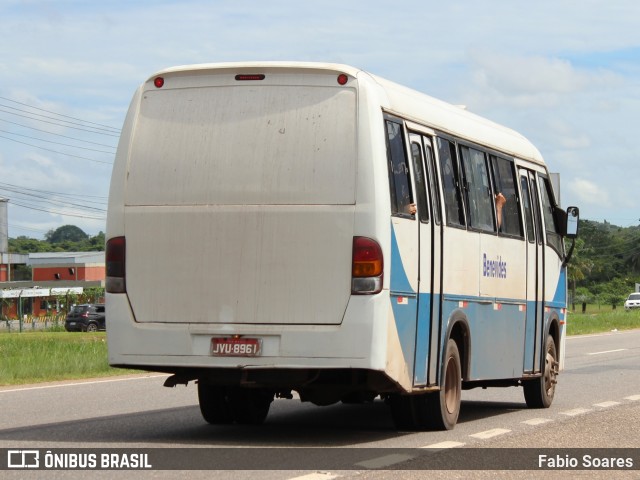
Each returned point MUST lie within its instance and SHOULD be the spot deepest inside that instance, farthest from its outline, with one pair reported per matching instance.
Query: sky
(565, 74)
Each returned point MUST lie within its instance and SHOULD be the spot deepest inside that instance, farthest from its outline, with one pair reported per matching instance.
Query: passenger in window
(500, 201)
(407, 202)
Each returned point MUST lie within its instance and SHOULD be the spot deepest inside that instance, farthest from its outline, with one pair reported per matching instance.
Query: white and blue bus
(309, 228)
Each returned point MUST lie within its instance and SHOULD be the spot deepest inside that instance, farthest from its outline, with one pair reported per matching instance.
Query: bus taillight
(367, 267)
(115, 259)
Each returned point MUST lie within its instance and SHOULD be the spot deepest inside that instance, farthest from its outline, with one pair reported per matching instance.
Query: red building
(53, 276)
(67, 266)
(9, 263)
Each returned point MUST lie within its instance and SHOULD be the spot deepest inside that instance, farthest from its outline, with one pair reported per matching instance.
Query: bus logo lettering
(493, 268)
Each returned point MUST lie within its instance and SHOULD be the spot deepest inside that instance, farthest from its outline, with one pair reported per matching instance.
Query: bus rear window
(247, 144)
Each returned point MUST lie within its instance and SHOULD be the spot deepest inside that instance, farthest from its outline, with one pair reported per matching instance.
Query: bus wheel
(251, 406)
(538, 393)
(215, 404)
(443, 407)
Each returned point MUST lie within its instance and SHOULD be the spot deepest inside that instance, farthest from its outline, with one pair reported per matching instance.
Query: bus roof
(402, 101)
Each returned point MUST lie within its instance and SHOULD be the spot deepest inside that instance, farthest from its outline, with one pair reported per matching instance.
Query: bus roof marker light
(250, 77)
(158, 82)
(342, 79)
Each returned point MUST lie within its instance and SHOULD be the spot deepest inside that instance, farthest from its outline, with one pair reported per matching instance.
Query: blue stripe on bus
(423, 340)
(496, 351)
(404, 303)
(399, 281)
(560, 297)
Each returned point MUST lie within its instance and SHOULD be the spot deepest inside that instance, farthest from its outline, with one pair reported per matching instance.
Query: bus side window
(478, 191)
(528, 213)
(505, 183)
(399, 179)
(421, 192)
(553, 238)
(430, 164)
(535, 203)
(450, 183)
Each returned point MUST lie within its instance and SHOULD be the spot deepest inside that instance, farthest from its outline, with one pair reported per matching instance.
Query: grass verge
(34, 357)
(598, 320)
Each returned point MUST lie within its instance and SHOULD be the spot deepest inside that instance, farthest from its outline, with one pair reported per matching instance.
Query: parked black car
(85, 318)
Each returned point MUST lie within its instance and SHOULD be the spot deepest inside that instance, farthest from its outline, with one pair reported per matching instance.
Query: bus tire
(251, 406)
(539, 393)
(443, 407)
(215, 404)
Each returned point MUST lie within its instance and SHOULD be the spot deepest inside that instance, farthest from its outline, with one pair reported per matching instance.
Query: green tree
(614, 292)
(24, 245)
(66, 233)
(64, 239)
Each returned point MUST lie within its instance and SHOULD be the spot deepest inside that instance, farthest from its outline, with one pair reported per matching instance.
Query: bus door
(428, 217)
(535, 271)
(405, 247)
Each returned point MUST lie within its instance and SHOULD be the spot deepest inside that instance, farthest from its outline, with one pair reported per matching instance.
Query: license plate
(236, 347)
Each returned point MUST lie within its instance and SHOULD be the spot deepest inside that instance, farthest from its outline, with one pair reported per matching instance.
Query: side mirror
(570, 226)
(573, 215)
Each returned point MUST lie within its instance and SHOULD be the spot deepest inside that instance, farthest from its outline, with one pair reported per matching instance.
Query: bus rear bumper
(353, 352)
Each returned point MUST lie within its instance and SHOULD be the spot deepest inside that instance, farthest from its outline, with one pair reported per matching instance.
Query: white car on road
(632, 302)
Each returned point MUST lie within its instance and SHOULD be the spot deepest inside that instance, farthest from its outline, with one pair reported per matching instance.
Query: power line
(55, 143)
(55, 151)
(95, 129)
(56, 201)
(19, 227)
(64, 214)
(56, 134)
(615, 254)
(58, 114)
(37, 199)
(10, 186)
(61, 124)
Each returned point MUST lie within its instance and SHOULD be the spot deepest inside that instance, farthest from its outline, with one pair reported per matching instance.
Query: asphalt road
(597, 405)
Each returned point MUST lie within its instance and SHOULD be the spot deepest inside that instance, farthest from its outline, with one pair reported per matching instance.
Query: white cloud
(567, 136)
(589, 193)
(533, 81)
(41, 162)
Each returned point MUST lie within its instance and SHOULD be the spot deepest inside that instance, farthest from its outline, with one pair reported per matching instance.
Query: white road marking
(490, 433)
(316, 476)
(606, 404)
(607, 351)
(580, 337)
(575, 411)
(385, 461)
(537, 421)
(443, 445)
(633, 398)
(77, 383)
